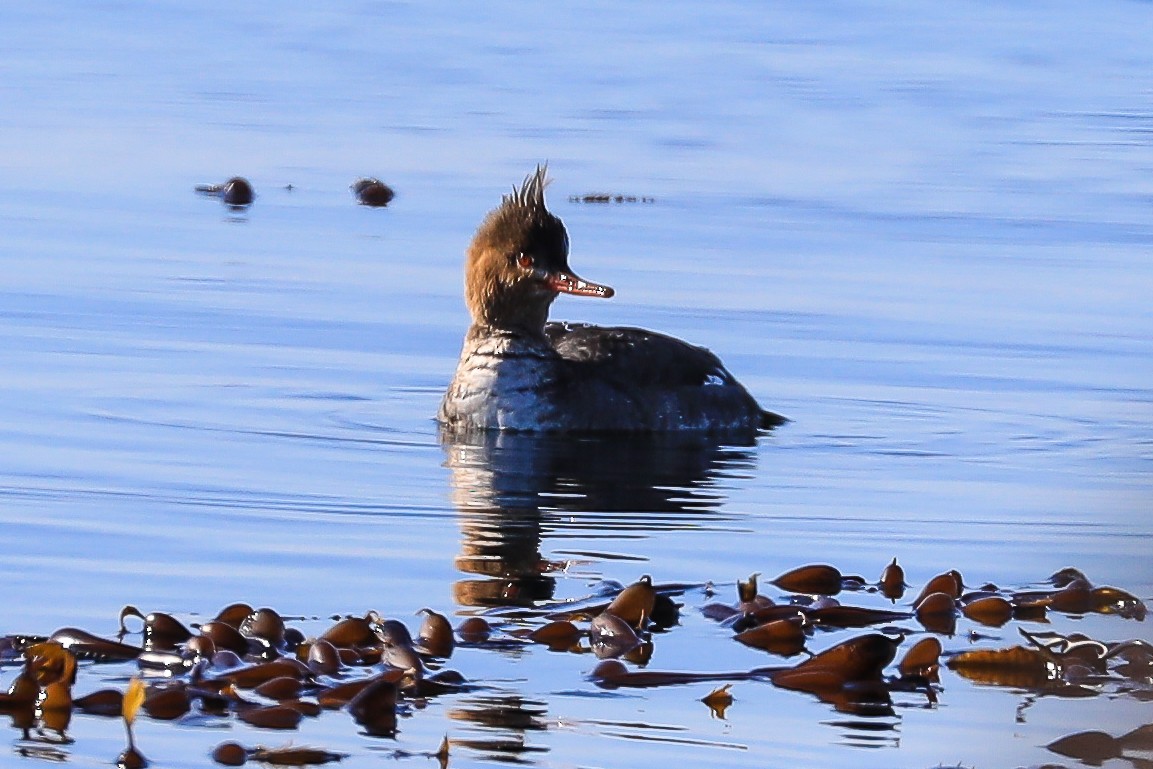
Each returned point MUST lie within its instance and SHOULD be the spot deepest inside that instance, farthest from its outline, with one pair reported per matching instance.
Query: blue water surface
(921, 232)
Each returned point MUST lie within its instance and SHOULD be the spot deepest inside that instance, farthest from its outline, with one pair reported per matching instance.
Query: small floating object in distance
(372, 192)
(604, 197)
(235, 193)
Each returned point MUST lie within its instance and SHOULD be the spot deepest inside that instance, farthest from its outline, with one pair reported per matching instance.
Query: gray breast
(502, 383)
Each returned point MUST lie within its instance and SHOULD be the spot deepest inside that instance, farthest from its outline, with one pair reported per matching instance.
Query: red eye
(524, 260)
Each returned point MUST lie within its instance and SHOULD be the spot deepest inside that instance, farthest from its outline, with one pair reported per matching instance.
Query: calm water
(923, 234)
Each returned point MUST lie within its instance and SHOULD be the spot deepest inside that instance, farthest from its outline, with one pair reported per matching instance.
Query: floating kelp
(719, 700)
(167, 703)
(847, 675)
(1013, 666)
(1076, 595)
(748, 601)
(892, 581)
(992, 610)
(254, 666)
(612, 636)
(435, 637)
(216, 682)
(922, 660)
(815, 579)
(323, 657)
(474, 630)
(372, 192)
(607, 197)
(225, 637)
(236, 193)
(560, 635)
(235, 754)
(351, 632)
(629, 601)
(785, 637)
(87, 646)
(131, 757)
(104, 702)
(234, 614)
(838, 616)
(41, 694)
(611, 674)
(857, 660)
(747, 596)
(949, 583)
(937, 612)
(266, 626)
(1059, 664)
(635, 603)
(161, 631)
(374, 706)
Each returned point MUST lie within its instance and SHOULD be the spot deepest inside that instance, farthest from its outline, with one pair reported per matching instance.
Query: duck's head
(517, 263)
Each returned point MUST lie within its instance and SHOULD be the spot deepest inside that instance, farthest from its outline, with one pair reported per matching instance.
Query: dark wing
(635, 356)
(621, 374)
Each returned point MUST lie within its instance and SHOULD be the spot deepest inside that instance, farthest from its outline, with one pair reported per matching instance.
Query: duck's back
(634, 379)
(635, 357)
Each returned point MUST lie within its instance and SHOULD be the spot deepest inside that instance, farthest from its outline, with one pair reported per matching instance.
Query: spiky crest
(531, 193)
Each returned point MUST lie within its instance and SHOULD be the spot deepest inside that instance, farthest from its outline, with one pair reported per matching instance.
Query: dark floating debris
(372, 192)
(252, 665)
(605, 197)
(236, 193)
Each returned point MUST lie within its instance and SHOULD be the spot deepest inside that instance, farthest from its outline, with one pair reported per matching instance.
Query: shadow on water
(513, 490)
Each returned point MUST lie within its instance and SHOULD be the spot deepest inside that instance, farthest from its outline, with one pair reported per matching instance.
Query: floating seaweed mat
(213, 667)
(1014, 666)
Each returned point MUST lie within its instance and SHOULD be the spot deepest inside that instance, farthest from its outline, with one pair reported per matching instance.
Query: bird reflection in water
(513, 489)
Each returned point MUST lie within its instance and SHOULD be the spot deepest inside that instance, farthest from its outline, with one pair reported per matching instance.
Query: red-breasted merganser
(519, 372)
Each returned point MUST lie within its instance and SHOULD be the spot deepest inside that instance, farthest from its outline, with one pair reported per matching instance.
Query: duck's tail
(769, 420)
